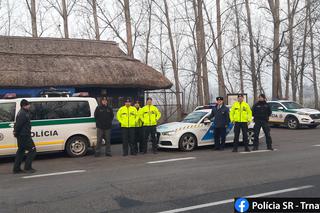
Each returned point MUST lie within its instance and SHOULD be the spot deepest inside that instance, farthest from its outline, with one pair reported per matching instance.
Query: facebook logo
(241, 205)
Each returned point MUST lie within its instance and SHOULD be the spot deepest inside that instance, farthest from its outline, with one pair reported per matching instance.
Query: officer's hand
(249, 123)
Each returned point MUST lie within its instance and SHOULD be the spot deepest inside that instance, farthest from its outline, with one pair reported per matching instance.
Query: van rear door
(8, 143)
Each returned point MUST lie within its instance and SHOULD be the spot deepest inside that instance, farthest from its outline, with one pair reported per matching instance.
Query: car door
(278, 114)
(8, 143)
(205, 131)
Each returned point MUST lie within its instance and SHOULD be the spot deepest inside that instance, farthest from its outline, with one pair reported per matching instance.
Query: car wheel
(77, 146)
(187, 142)
(292, 123)
(313, 126)
(250, 137)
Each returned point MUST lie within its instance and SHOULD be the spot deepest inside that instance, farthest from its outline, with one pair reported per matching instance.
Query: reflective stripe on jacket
(149, 115)
(127, 116)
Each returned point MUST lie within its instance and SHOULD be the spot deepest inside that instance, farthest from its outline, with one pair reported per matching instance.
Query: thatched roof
(42, 62)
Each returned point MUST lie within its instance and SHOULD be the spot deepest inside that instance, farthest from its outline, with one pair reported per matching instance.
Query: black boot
(269, 147)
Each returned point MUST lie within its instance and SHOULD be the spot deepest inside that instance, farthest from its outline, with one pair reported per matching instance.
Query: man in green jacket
(240, 116)
(149, 115)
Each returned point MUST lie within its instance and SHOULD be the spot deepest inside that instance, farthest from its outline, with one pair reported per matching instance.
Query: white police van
(58, 124)
(293, 115)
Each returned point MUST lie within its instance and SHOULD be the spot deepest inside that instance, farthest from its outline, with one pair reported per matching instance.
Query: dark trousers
(266, 129)
(149, 130)
(243, 126)
(25, 143)
(139, 139)
(103, 134)
(128, 141)
(219, 138)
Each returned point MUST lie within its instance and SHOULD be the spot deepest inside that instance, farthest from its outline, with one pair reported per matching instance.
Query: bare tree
(239, 46)
(276, 72)
(252, 55)
(203, 53)
(303, 64)
(95, 18)
(222, 86)
(173, 60)
(198, 47)
(291, 66)
(314, 72)
(149, 31)
(64, 10)
(126, 8)
(33, 13)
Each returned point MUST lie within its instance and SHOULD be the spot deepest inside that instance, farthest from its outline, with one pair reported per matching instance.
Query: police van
(58, 124)
(293, 115)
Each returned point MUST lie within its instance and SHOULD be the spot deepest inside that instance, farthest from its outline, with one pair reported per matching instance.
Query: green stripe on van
(62, 121)
(54, 122)
(4, 125)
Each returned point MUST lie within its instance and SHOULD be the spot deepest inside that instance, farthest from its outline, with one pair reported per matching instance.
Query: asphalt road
(199, 181)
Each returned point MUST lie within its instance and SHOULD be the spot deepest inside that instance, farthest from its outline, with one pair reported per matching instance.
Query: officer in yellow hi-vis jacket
(127, 116)
(240, 116)
(149, 115)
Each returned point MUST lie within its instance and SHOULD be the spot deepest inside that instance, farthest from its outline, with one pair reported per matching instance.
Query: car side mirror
(280, 108)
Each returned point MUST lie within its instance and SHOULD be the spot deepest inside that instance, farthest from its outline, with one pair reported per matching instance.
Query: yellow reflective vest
(139, 122)
(149, 115)
(127, 116)
(240, 112)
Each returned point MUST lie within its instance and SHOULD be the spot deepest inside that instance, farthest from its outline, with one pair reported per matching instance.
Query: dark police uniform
(104, 116)
(221, 121)
(261, 112)
(22, 131)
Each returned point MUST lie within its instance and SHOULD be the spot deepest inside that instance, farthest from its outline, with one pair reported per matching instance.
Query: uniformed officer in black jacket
(22, 131)
(221, 121)
(104, 116)
(261, 112)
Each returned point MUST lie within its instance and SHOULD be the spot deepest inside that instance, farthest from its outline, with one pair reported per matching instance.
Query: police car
(58, 124)
(293, 115)
(194, 131)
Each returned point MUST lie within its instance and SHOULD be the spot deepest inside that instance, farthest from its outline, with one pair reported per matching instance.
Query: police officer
(104, 116)
(240, 116)
(138, 130)
(127, 116)
(261, 112)
(22, 131)
(150, 115)
(221, 121)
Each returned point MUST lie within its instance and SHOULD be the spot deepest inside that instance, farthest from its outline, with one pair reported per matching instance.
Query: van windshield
(7, 112)
(292, 105)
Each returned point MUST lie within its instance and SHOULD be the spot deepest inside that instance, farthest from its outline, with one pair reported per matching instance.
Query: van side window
(59, 110)
(274, 106)
(7, 112)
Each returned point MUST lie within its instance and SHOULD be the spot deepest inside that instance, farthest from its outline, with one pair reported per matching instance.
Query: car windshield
(194, 117)
(292, 105)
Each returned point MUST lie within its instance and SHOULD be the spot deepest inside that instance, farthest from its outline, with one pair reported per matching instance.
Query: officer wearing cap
(127, 116)
(240, 116)
(22, 131)
(221, 121)
(104, 116)
(149, 115)
(261, 112)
